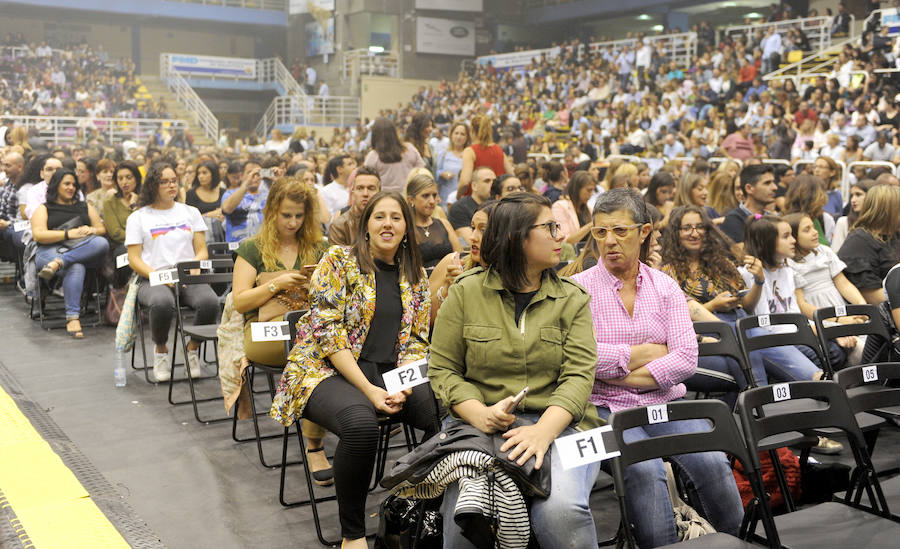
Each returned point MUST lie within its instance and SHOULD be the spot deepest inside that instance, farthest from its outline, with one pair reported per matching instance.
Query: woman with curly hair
(289, 239)
(696, 254)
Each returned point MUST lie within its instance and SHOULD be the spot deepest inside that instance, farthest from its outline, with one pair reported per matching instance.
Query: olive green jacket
(478, 352)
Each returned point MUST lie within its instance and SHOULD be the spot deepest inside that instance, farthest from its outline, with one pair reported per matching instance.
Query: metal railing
(288, 111)
(680, 47)
(816, 29)
(23, 51)
(361, 62)
(58, 130)
(797, 73)
(188, 98)
(270, 5)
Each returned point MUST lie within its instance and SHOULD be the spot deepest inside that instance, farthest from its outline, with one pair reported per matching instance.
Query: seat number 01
(657, 414)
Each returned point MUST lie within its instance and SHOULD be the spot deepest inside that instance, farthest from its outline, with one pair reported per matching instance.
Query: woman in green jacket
(512, 324)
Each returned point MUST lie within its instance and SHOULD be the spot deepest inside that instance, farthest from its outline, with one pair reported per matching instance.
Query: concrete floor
(192, 485)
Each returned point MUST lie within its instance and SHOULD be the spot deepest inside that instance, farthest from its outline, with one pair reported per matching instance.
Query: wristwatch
(272, 287)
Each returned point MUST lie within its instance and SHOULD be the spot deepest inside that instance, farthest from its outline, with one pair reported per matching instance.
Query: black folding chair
(818, 405)
(705, 381)
(872, 388)
(723, 436)
(269, 372)
(221, 271)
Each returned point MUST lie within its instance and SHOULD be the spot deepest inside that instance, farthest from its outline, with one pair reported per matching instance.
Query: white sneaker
(193, 359)
(161, 367)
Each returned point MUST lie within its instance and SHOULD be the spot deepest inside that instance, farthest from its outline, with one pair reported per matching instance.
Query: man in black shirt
(461, 212)
(758, 184)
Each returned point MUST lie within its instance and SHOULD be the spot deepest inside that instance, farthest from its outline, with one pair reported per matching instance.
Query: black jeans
(345, 411)
(161, 302)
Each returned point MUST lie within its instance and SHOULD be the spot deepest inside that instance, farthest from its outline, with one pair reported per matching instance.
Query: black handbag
(71, 243)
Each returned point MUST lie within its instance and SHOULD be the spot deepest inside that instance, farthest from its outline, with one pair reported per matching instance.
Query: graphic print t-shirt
(167, 236)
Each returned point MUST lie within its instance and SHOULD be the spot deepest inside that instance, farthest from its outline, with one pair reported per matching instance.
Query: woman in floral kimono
(369, 312)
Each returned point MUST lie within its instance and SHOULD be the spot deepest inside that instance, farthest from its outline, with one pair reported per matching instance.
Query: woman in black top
(206, 195)
(868, 250)
(432, 234)
(69, 235)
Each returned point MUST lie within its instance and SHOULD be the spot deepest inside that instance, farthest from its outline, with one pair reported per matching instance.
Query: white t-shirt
(335, 195)
(777, 294)
(167, 236)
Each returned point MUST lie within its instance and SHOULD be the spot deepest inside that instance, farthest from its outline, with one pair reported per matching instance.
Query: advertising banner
(210, 65)
(445, 36)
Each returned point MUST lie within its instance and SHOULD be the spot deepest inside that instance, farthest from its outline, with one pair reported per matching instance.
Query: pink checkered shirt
(660, 316)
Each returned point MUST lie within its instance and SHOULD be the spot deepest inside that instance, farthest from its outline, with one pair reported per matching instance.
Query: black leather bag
(458, 436)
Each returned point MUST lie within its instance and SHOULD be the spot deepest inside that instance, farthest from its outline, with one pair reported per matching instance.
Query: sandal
(50, 269)
(322, 477)
(76, 333)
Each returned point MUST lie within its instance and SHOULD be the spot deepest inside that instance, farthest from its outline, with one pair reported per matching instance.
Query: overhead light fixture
(753, 15)
(657, 28)
(376, 49)
(643, 17)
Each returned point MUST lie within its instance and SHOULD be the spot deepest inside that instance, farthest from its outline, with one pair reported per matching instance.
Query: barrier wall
(378, 93)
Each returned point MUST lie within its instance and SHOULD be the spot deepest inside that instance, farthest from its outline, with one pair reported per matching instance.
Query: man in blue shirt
(243, 206)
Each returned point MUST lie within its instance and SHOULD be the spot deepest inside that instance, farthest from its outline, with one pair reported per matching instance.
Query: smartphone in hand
(516, 400)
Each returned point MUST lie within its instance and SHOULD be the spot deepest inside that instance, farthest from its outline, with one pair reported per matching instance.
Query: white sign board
(20, 226)
(158, 278)
(302, 6)
(270, 331)
(121, 261)
(453, 5)
(585, 447)
(405, 377)
(212, 66)
(445, 36)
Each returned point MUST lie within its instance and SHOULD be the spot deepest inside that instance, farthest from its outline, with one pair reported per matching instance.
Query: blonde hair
(684, 188)
(419, 179)
(626, 169)
(721, 192)
(481, 130)
(309, 234)
(879, 211)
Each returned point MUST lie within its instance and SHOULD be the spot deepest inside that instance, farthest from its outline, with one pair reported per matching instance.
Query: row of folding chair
(817, 405)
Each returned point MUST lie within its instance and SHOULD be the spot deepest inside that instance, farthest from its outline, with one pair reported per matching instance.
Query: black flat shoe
(322, 477)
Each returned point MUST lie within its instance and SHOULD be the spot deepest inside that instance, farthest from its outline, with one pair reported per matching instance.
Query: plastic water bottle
(119, 371)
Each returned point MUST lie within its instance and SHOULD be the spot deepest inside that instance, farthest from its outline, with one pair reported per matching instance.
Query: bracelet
(758, 282)
(66, 234)
(442, 296)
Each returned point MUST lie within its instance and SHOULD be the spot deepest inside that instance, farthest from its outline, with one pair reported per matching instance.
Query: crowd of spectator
(75, 80)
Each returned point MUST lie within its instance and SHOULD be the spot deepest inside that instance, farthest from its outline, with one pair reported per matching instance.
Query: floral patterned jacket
(342, 304)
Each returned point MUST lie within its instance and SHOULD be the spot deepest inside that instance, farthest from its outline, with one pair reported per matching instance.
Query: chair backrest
(292, 317)
(814, 405)
(726, 344)
(802, 336)
(221, 272)
(723, 435)
(868, 386)
(829, 332)
(218, 250)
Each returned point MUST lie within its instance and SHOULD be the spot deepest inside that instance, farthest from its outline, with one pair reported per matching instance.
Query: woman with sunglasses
(646, 348)
(517, 306)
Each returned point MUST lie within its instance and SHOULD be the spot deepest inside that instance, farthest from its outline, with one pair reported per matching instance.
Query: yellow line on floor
(53, 510)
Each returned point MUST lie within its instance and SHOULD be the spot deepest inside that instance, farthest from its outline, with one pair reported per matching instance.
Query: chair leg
(194, 400)
(258, 438)
(313, 501)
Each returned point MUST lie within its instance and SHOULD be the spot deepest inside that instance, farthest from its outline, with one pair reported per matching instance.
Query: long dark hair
(579, 180)
(33, 168)
(385, 141)
(760, 234)
(91, 165)
(408, 257)
(135, 171)
(150, 188)
(659, 180)
(417, 125)
(53, 185)
(502, 246)
(716, 261)
(213, 170)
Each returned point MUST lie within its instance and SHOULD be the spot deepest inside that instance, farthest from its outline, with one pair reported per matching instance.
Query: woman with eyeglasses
(646, 348)
(159, 235)
(516, 306)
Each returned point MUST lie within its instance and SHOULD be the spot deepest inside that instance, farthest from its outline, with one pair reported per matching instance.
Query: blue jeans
(563, 520)
(706, 474)
(74, 264)
(785, 363)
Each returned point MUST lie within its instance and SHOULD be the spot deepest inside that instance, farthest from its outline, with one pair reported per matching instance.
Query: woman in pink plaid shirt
(646, 347)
